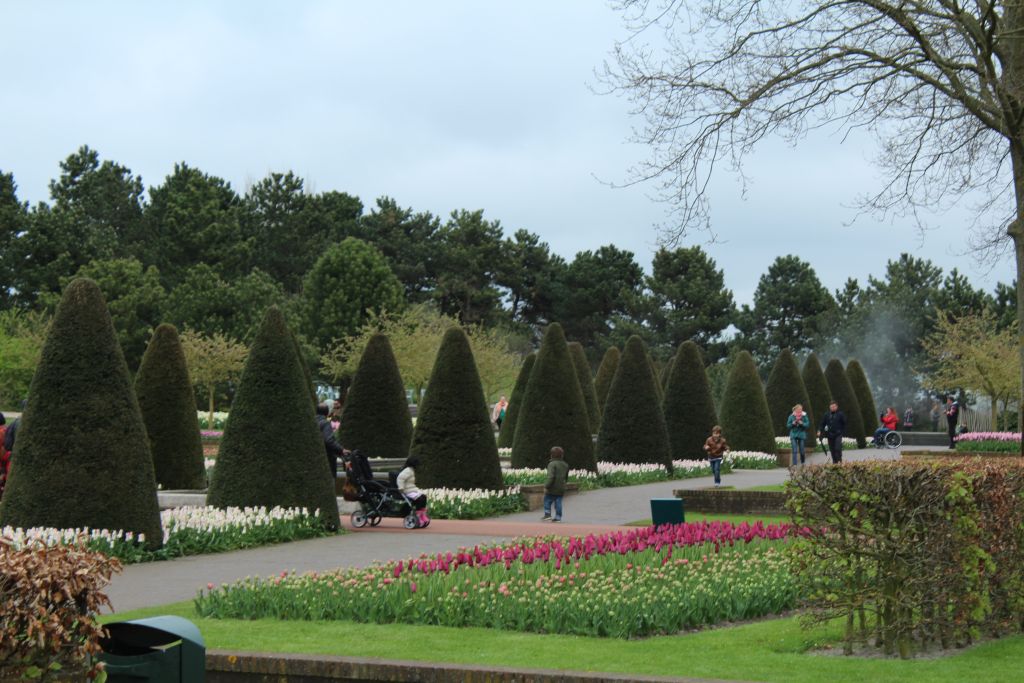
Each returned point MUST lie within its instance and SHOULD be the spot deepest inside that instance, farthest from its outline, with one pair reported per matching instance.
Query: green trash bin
(667, 511)
(161, 649)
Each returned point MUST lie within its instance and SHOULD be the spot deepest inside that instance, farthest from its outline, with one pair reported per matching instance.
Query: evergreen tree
(82, 457)
(454, 439)
(784, 389)
(654, 371)
(553, 412)
(842, 393)
(745, 418)
(272, 452)
(633, 428)
(376, 415)
(818, 391)
(689, 407)
(579, 361)
(666, 372)
(862, 390)
(515, 403)
(168, 405)
(605, 373)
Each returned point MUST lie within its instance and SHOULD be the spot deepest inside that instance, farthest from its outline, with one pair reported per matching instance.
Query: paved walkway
(156, 583)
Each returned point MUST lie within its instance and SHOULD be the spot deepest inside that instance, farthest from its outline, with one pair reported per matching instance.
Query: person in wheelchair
(889, 421)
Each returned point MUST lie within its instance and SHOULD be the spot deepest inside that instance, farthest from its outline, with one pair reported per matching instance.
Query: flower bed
(783, 443)
(219, 420)
(611, 474)
(619, 584)
(988, 442)
(187, 531)
(474, 503)
(751, 460)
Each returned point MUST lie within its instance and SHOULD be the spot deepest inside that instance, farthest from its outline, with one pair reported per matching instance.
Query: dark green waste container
(667, 511)
(160, 649)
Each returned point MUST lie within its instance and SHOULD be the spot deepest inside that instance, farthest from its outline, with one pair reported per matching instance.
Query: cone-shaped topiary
(785, 388)
(508, 426)
(633, 427)
(579, 361)
(842, 393)
(818, 392)
(553, 411)
(862, 390)
(666, 372)
(689, 407)
(454, 439)
(82, 457)
(654, 371)
(376, 415)
(605, 374)
(272, 452)
(168, 406)
(744, 416)
(306, 374)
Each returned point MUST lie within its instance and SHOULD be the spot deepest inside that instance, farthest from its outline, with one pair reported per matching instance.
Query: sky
(441, 105)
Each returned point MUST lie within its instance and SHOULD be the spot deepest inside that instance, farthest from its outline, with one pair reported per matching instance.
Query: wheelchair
(891, 439)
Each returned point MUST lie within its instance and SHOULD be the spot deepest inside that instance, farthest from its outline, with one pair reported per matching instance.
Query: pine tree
(454, 439)
(82, 458)
(689, 406)
(508, 426)
(862, 390)
(272, 452)
(605, 373)
(582, 366)
(785, 388)
(553, 411)
(818, 391)
(375, 419)
(842, 393)
(633, 429)
(745, 418)
(168, 405)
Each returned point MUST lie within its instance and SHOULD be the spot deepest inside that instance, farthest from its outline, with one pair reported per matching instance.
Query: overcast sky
(441, 105)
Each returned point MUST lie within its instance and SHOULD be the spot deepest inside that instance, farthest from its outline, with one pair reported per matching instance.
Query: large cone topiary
(272, 452)
(454, 439)
(515, 403)
(842, 393)
(818, 392)
(376, 415)
(582, 366)
(82, 457)
(633, 427)
(745, 418)
(689, 407)
(785, 388)
(553, 412)
(605, 375)
(168, 406)
(862, 390)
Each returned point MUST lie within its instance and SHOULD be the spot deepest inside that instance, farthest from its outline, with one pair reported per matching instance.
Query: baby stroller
(376, 499)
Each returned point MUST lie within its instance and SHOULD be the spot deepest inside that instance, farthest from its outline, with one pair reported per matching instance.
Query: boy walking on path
(717, 447)
(554, 487)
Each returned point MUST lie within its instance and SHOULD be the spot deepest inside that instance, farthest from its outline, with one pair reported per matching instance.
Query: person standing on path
(554, 486)
(498, 413)
(952, 417)
(331, 445)
(717, 447)
(833, 427)
(797, 424)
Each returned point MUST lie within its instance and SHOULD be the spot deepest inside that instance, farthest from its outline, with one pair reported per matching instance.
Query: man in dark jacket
(331, 445)
(952, 417)
(833, 428)
(554, 486)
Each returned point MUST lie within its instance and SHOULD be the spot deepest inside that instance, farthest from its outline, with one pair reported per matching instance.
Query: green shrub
(633, 429)
(168, 406)
(272, 452)
(454, 439)
(842, 393)
(82, 457)
(582, 366)
(666, 372)
(689, 408)
(605, 373)
(376, 415)
(862, 390)
(744, 416)
(553, 412)
(785, 388)
(817, 390)
(508, 426)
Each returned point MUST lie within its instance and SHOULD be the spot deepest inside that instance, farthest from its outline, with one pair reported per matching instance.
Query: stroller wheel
(374, 518)
(359, 519)
(410, 521)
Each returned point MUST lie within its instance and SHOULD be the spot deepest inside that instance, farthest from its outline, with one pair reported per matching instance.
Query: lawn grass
(767, 487)
(770, 650)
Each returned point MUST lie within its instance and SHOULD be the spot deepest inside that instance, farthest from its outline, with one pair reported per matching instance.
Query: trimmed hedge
(82, 457)
(272, 452)
(862, 390)
(633, 428)
(508, 426)
(689, 408)
(744, 416)
(818, 392)
(785, 388)
(553, 411)
(582, 366)
(376, 415)
(454, 438)
(605, 374)
(168, 406)
(842, 392)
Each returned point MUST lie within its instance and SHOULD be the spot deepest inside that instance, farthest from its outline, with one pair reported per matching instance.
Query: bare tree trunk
(1016, 232)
